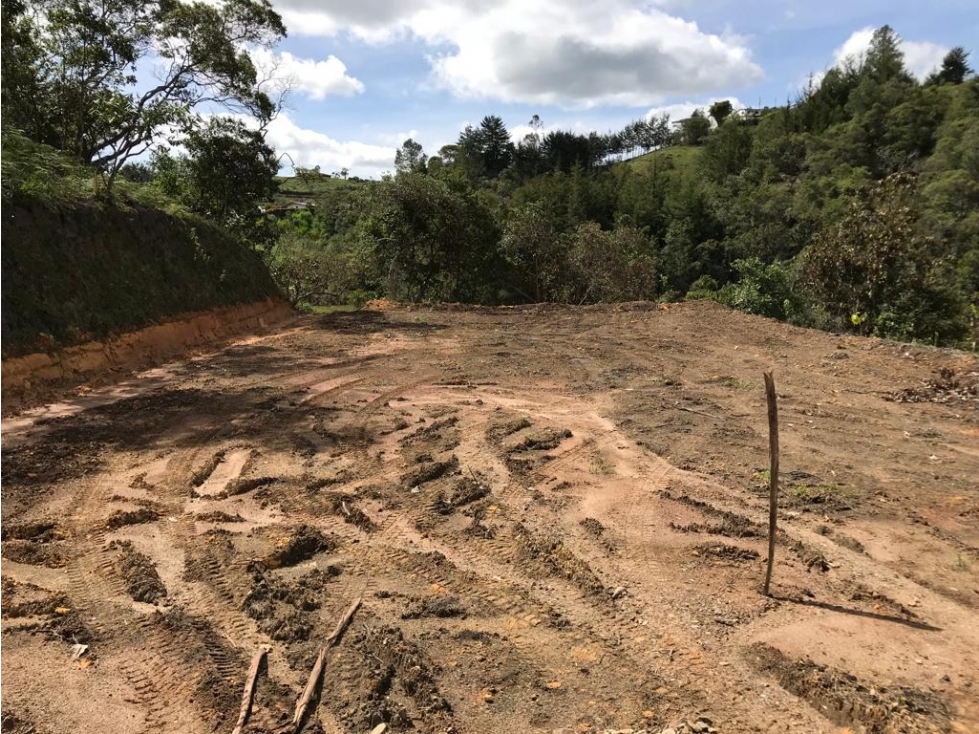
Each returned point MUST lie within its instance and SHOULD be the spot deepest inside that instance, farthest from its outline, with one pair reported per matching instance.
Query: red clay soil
(31, 377)
(556, 518)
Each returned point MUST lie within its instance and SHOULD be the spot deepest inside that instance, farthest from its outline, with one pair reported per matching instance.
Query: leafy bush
(876, 273)
(309, 273)
(765, 290)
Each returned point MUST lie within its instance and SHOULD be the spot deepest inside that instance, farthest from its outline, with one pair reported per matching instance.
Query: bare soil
(556, 518)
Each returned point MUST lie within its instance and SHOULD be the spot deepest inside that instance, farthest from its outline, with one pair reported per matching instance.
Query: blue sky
(365, 75)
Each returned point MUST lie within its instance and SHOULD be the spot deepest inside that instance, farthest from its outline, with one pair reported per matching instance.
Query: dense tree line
(856, 207)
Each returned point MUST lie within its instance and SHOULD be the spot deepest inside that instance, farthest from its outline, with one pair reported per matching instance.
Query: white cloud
(855, 46)
(397, 139)
(923, 57)
(577, 54)
(311, 148)
(315, 79)
(920, 57)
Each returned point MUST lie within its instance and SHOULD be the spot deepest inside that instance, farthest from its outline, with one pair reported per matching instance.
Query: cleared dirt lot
(554, 516)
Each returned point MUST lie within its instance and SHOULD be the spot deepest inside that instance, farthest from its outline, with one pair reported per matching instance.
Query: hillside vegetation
(90, 269)
(96, 241)
(855, 208)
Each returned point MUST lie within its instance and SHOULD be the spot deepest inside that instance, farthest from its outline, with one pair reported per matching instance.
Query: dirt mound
(725, 552)
(39, 531)
(593, 526)
(345, 507)
(297, 545)
(428, 472)
(846, 700)
(22, 599)
(139, 573)
(553, 556)
(468, 490)
(36, 553)
(388, 680)
(12, 722)
(498, 431)
(281, 607)
(727, 523)
(947, 387)
(441, 607)
(53, 613)
(241, 485)
(382, 304)
(121, 518)
(218, 516)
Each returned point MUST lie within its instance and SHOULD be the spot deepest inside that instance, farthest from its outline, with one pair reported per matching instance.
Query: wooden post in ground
(773, 475)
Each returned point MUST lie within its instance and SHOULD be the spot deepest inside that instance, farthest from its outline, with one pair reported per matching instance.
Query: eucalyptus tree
(101, 79)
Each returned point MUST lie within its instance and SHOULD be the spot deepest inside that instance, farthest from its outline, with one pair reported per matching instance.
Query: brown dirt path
(555, 517)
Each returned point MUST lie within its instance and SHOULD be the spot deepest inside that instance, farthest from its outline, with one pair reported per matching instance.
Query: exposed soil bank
(72, 366)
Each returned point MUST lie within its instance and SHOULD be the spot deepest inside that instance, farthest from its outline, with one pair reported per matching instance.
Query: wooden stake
(316, 675)
(773, 474)
(246, 697)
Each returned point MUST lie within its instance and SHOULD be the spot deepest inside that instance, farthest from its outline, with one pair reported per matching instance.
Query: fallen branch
(316, 675)
(249, 693)
(698, 412)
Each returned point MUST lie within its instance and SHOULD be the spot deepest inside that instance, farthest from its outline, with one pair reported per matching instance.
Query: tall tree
(955, 67)
(228, 172)
(536, 125)
(495, 145)
(83, 94)
(885, 59)
(875, 272)
(20, 58)
(696, 128)
(720, 110)
(410, 157)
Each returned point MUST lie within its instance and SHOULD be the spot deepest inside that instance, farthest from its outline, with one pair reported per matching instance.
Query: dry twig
(316, 675)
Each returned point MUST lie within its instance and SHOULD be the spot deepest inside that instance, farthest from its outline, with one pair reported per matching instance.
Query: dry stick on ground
(698, 412)
(249, 693)
(316, 675)
(773, 474)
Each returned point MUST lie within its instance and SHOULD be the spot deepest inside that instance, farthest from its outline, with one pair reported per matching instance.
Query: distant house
(281, 210)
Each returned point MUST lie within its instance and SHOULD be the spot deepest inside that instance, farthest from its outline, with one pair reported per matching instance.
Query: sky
(367, 74)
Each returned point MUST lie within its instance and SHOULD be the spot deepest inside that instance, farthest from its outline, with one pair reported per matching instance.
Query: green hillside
(293, 188)
(683, 159)
(87, 269)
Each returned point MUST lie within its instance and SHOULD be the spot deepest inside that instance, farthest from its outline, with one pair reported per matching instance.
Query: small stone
(379, 729)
